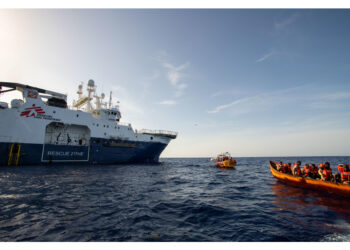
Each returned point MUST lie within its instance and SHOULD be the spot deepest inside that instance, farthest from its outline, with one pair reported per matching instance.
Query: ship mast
(110, 100)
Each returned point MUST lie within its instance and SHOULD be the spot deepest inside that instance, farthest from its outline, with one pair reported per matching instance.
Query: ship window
(54, 111)
(104, 126)
(105, 133)
(97, 141)
(151, 138)
(97, 124)
(77, 115)
(107, 126)
(80, 141)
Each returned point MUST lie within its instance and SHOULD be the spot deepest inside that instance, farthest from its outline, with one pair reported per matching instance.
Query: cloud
(337, 96)
(218, 93)
(167, 102)
(174, 73)
(264, 57)
(280, 25)
(250, 103)
(246, 100)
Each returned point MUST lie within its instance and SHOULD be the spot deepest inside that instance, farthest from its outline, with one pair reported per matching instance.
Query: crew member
(284, 168)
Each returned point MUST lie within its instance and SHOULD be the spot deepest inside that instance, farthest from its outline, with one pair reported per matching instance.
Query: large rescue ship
(41, 129)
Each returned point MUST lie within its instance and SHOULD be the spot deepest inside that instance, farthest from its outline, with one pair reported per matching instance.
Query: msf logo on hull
(32, 111)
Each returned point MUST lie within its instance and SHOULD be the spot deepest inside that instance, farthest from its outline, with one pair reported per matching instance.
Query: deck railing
(124, 124)
(166, 133)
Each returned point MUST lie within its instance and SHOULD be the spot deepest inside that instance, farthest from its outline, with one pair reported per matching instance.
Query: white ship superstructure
(41, 129)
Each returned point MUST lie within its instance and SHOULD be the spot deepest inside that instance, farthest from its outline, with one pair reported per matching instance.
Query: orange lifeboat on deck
(324, 186)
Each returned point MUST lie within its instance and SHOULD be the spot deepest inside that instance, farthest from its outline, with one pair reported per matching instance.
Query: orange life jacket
(315, 170)
(307, 169)
(345, 176)
(340, 168)
(284, 168)
(298, 172)
(327, 173)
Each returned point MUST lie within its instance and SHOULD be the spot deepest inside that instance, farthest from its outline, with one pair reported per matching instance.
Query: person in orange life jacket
(296, 168)
(340, 167)
(320, 171)
(345, 175)
(307, 170)
(279, 166)
(337, 176)
(284, 168)
(327, 172)
(289, 168)
(315, 171)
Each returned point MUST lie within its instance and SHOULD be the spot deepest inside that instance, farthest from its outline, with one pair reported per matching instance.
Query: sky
(254, 82)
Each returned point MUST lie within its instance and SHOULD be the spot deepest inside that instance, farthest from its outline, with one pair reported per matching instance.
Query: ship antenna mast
(110, 100)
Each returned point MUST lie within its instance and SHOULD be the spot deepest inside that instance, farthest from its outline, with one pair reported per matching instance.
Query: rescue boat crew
(284, 168)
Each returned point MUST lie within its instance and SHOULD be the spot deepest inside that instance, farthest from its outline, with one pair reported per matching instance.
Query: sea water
(179, 199)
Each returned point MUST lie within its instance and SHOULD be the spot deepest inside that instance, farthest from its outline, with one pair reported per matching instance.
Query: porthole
(151, 138)
(77, 115)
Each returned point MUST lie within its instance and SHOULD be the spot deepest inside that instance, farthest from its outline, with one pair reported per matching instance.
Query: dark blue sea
(180, 199)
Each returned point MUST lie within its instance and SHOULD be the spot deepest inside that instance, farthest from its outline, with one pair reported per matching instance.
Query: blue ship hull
(100, 151)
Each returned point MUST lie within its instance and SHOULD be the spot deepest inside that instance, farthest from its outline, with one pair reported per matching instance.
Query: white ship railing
(166, 133)
(124, 124)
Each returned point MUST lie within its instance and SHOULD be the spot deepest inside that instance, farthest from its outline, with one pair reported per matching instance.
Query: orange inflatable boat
(324, 186)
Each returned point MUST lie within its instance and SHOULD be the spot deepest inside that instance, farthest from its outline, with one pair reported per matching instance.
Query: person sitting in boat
(315, 171)
(284, 168)
(345, 175)
(307, 170)
(296, 168)
(326, 172)
(279, 166)
(289, 169)
(340, 167)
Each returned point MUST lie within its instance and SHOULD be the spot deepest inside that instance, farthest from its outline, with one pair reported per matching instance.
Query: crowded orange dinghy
(299, 180)
(225, 160)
